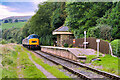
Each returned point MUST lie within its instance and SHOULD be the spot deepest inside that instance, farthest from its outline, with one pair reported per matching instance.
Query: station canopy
(61, 30)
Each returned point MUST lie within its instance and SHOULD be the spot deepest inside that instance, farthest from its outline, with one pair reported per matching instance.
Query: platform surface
(76, 51)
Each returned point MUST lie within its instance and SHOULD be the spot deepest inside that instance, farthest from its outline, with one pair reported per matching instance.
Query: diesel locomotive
(31, 42)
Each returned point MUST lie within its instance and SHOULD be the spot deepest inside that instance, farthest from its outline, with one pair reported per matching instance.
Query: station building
(62, 33)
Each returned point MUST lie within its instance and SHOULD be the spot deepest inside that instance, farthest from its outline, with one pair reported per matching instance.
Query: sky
(18, 7)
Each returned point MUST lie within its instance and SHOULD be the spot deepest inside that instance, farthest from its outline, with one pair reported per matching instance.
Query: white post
(85, 40)
(98, 41)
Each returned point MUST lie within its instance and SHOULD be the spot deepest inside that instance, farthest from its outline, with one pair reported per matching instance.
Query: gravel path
(48, 75)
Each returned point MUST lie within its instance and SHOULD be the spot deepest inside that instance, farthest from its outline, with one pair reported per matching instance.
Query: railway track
(81, 70)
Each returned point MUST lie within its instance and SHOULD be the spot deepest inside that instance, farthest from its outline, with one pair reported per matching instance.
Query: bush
(70, 46)
(116, 47)
(65, 45)
(3, 42)
(12, 41)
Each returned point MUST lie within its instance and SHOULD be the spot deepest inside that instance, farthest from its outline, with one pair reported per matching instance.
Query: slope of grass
(12, 25)
(109, 64)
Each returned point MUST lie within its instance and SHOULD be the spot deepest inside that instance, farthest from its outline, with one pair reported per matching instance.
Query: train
(31, 42)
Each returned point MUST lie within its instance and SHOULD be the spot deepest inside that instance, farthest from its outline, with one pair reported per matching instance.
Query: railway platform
(75, 54)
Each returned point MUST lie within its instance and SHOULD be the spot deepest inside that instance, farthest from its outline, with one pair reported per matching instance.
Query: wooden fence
(104, 45)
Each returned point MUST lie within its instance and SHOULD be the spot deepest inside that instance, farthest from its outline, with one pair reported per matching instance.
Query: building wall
(58, 40)
(62, 37)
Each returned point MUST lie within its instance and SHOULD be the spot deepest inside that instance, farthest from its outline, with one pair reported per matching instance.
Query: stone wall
(59, 52)
(62, 37)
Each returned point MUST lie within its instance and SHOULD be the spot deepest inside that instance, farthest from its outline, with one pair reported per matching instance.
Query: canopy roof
(62, 30)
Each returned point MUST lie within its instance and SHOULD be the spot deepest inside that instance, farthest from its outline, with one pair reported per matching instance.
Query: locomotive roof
(32, 36)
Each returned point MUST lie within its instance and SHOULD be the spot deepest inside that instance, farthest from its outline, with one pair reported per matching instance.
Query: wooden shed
(62, 34)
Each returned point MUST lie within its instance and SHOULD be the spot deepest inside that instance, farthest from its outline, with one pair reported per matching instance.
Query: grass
(109, 63)
(89, 58)
(11, 62)
(10, 25)
(29, 70)
(52, 69)
(9, 65)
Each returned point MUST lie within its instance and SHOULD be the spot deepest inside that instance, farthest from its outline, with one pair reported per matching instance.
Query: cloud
(6, 11)
(36, 2)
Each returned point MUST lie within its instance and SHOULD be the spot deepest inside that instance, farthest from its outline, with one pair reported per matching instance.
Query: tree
(10, 20)
(82, 16)
(112, 18)
(100, 31)
(58, 16)
(16, 20)
(6, 21)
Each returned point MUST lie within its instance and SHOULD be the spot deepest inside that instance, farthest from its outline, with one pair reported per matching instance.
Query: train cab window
(35, 36)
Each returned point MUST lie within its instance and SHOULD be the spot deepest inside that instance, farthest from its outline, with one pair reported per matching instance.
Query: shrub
(3, 42)
(12, 41)
(70, 46)
(116, 47)
(65, 45)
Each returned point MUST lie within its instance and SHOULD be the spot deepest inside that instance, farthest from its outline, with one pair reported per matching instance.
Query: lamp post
(85, 40)
(98, 41)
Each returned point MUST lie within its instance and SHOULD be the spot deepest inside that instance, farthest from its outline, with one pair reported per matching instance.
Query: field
(12, 25)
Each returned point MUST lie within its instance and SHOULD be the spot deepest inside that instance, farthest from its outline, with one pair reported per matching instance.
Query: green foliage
(116, 47)
(13, 34)
(10, 20)
(112, 18)
(12, 25)
(16, 20)
(12, 41)
(6, 21)
(3, 41)
(86, 15)
(71, 45)
(100, 31)
(58, 16)
(65, 45)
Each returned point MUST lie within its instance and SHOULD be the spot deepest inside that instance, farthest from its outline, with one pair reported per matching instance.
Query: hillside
(18, 17)
(14, 25)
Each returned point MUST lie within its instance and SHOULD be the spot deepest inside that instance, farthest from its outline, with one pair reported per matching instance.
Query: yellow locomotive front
(32, 41)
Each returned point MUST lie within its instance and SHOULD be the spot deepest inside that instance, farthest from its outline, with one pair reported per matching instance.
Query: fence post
(98, 41)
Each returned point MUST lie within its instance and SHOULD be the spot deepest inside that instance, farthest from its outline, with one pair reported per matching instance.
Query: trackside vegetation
(108, 63)
(16, 64)
(29, 70)
(52, 69)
